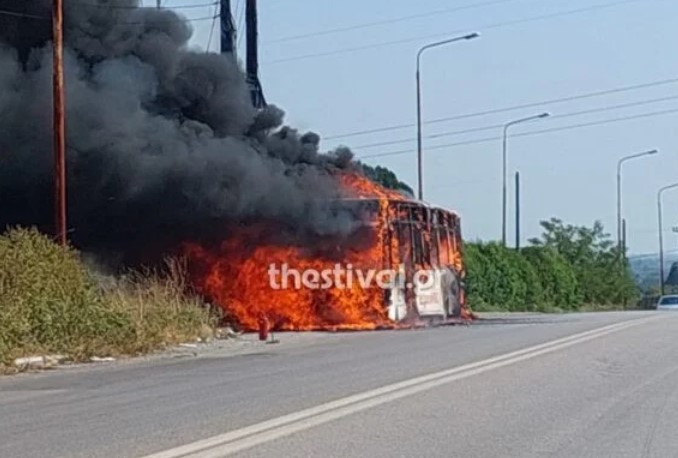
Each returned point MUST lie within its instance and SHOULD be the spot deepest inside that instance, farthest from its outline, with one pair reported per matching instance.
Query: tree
(386, 178)
(595, 259)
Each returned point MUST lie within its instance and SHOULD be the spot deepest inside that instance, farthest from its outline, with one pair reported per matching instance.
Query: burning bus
(168, 156)
(421, 245)
(418, 245)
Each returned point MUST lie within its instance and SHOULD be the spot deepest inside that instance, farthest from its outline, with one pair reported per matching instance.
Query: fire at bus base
(419, 243)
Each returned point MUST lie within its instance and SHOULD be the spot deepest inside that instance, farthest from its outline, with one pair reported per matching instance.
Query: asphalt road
(598, 385)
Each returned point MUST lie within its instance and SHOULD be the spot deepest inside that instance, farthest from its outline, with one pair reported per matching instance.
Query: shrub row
(540, 278)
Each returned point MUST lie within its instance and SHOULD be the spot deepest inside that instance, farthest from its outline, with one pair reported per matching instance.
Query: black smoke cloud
(163, 143)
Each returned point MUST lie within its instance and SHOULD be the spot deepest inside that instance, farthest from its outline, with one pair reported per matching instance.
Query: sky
(341, 82)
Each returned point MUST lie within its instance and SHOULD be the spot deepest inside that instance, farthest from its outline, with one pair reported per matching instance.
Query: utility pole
(159, 4)
(251, 20)
(517, 211)
(228, 32)
(623, 240)
(59, 121)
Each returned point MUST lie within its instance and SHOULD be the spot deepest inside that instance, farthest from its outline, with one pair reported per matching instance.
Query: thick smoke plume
(163, 143)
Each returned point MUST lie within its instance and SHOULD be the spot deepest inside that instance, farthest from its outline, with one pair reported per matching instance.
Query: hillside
(646, 271)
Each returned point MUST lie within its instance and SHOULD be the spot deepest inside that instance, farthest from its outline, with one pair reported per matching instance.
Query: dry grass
(159, 307)
(51, 303)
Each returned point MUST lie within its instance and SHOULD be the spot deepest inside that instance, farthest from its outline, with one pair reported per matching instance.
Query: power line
(528, 134)
(454, 32)
(131, 7)
(387, 21)
(214, 23)
(498, 126)
(21, 15)
(509, 108)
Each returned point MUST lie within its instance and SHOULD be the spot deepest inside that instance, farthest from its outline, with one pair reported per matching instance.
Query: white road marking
(245, 438)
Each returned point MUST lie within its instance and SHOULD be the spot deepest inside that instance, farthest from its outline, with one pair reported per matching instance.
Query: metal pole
(252, 60)
(660, 220)
(517, 211)
(228, 32)
(59, 123)
(622, 246)
(159, 4)
(504, 192)
(619, 206)
(420, 172)
(661, 244)
(624, 264)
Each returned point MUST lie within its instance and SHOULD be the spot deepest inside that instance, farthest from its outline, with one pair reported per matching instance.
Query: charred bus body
(423, 244)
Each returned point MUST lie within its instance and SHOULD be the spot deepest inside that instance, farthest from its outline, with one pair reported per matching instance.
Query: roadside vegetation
(569, 268)
(51, 303)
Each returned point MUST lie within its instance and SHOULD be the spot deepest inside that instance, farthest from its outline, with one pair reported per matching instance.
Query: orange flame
(359, 186)
(236, 276)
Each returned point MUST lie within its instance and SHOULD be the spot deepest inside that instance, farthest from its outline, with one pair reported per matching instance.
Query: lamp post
(505, 169)
(620, 245)
(660, 228)
(419, 135)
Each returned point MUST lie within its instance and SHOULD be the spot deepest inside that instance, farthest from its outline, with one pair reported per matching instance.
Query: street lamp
(661, 232)
(505, 171)
(622, 249)
(420, 172)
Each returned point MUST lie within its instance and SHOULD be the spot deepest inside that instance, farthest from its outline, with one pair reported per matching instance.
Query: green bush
(499, 278)
(556, 276)
(568, 267)
(475, 273)
(51, 303)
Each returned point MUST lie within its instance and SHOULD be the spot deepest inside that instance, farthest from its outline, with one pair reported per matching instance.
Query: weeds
(51, 303)
(159, 307)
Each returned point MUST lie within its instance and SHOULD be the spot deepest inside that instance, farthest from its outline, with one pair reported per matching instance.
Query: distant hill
(646, 268)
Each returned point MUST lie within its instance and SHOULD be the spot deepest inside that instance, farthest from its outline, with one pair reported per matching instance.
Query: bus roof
(404, 200)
